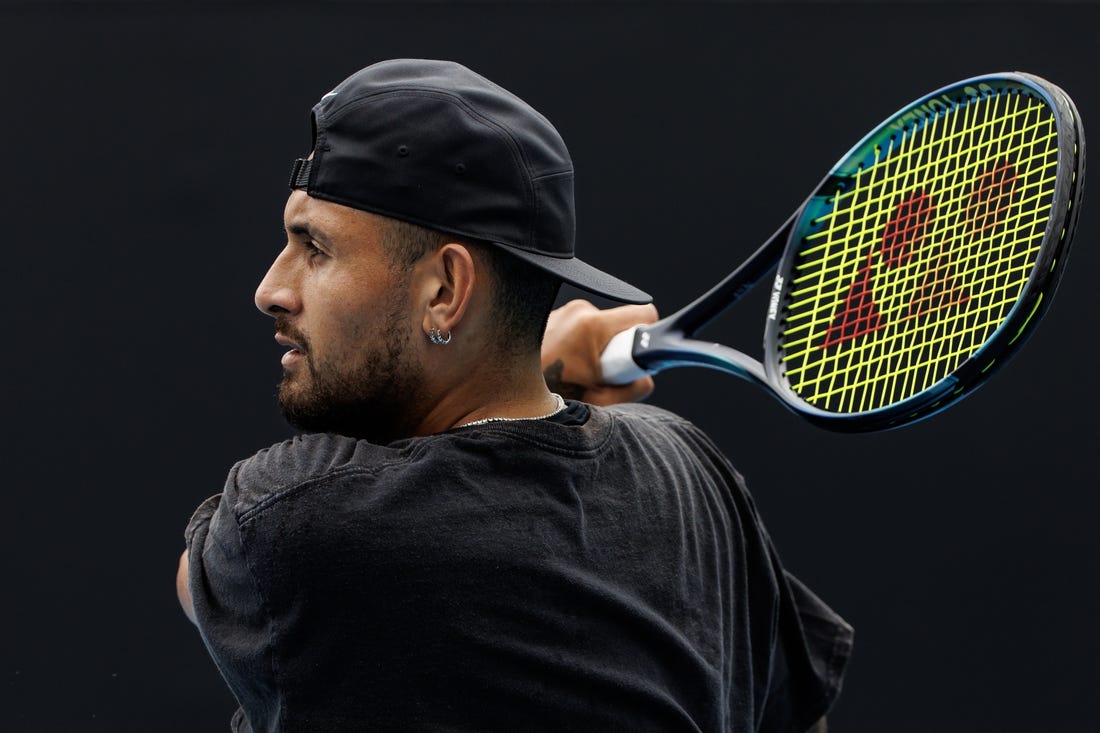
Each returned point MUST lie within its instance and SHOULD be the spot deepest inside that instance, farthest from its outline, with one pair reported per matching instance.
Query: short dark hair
(522, 294)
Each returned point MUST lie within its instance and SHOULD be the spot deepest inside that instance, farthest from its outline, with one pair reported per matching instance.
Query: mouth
(295, 351)
(284, 341)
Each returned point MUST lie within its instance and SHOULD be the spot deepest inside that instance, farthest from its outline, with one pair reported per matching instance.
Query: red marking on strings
(906, 229)
(858, 314)
(938, 289)
(991, 196)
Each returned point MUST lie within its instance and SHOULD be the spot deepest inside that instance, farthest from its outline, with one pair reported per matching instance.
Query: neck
(490, 392)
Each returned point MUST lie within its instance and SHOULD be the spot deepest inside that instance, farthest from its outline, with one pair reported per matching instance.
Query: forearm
(183, 589)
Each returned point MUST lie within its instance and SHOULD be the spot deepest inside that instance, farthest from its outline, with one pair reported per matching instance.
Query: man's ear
(447, 286)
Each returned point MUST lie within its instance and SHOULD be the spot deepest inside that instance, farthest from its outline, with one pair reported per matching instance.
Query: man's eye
(312, 249)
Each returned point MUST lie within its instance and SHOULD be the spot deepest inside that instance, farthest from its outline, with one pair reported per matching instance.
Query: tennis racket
(916, 268)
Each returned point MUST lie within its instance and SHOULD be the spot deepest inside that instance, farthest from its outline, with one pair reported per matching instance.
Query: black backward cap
(433, 143)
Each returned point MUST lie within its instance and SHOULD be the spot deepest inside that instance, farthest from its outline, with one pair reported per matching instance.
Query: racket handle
(617, 361)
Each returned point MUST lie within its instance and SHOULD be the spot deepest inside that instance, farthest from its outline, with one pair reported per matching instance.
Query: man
(450, 545)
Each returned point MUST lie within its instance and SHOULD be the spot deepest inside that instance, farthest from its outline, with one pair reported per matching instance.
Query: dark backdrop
(146, 149)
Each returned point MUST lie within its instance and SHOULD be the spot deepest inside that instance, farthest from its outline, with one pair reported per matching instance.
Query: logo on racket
(914, 229)
(773, 303)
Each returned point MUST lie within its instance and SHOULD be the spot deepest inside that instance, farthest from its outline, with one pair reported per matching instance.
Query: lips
(284, 341)
(296, 348)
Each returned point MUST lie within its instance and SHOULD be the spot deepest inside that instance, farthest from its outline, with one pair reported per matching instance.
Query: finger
(570, 312)
(625, 316)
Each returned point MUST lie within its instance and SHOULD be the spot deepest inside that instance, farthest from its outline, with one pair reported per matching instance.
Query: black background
(146, 149)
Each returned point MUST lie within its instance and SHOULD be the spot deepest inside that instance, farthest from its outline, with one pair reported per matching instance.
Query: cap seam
(553, 174)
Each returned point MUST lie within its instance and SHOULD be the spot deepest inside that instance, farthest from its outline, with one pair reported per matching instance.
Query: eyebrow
(304, 230)
(299, 229)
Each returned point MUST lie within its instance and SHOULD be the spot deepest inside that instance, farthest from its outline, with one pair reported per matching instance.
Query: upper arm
(183, 590)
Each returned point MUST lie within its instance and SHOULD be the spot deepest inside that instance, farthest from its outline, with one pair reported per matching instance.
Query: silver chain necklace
(557, 398)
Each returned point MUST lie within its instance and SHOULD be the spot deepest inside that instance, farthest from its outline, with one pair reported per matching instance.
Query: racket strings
(918, 345)
(883, 202)
(971, 260)
(831, 275)
(922, 256)
(1026, 133)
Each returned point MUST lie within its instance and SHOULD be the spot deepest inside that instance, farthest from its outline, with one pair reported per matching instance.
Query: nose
(276, 294)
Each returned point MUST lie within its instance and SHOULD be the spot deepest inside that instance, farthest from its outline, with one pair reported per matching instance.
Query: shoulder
(302, 461)
(638, 410)
(666, 433)
(650, 419)
(642, 413)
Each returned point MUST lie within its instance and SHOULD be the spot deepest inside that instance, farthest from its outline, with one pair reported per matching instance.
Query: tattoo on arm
(568, 390)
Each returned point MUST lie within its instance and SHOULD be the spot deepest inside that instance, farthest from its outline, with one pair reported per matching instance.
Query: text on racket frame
(939, 105)
(773, 303)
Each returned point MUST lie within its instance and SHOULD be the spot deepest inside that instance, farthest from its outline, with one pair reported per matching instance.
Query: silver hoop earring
(436, 336)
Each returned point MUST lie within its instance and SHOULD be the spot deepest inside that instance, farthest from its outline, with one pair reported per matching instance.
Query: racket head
(927, 255)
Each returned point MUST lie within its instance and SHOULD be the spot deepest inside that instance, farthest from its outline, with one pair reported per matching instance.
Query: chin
(376, 399)
(362, 419)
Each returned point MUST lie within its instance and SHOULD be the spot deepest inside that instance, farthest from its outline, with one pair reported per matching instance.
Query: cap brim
(583, 275)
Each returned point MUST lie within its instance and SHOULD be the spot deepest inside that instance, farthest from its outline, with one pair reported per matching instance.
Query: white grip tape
(616, 361)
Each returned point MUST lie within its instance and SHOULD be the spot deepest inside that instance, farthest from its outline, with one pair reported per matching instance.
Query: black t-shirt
(598, 571)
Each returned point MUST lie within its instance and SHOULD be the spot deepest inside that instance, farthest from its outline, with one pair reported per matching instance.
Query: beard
(373, 399)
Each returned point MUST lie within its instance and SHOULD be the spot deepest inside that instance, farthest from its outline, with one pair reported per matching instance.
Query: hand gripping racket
(916, 268)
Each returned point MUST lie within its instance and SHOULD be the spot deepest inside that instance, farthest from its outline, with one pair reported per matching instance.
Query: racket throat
(661, 347)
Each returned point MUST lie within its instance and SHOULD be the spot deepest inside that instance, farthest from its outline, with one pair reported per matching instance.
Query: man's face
(346, 315)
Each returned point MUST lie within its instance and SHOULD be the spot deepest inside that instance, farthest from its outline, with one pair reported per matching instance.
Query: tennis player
(450, 545)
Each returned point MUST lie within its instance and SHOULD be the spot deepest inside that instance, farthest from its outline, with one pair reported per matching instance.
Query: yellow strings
(985, 171)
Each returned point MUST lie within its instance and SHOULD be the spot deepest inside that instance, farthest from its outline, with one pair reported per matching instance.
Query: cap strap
(299, 174)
